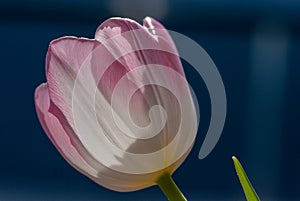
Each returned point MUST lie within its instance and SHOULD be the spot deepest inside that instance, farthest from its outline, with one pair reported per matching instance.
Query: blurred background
(256, 47)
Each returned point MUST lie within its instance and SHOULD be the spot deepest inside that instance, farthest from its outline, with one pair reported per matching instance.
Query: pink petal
(64, 58)
(164, 38)
(133, 48)
(65, 145)
(57, 134)
(163, 49)
(128, 57)
(128, 54)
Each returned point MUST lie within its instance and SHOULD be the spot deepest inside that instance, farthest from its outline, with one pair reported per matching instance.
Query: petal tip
(39, 89)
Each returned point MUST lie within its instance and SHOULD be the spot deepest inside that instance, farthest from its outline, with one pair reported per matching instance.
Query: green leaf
(247, 187)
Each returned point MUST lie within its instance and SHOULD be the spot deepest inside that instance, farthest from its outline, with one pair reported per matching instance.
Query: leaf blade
(245, 182)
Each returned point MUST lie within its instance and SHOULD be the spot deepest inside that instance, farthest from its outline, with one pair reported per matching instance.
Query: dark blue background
(255, 45)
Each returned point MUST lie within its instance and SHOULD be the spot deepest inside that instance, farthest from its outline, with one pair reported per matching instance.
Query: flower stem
(169, 188)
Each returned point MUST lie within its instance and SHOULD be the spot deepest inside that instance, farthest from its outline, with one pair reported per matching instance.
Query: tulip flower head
(118, 107)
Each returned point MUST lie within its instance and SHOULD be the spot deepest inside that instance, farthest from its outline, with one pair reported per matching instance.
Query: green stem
(169, 188)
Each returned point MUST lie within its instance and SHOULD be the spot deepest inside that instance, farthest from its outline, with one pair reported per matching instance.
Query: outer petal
(133, 46)
(64, 58)
(57, 134)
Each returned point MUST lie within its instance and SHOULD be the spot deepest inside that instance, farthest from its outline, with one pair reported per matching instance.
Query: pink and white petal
(166, 42)
(71, 51)
(57, 134)
(124, 38)
(73, 102)
(65, 145)
(132, 45)
(126, 58)
(113, 32)
(64, 59)
(161, 52)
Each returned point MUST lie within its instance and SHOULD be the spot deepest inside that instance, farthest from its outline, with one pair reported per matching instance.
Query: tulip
(118, 107)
